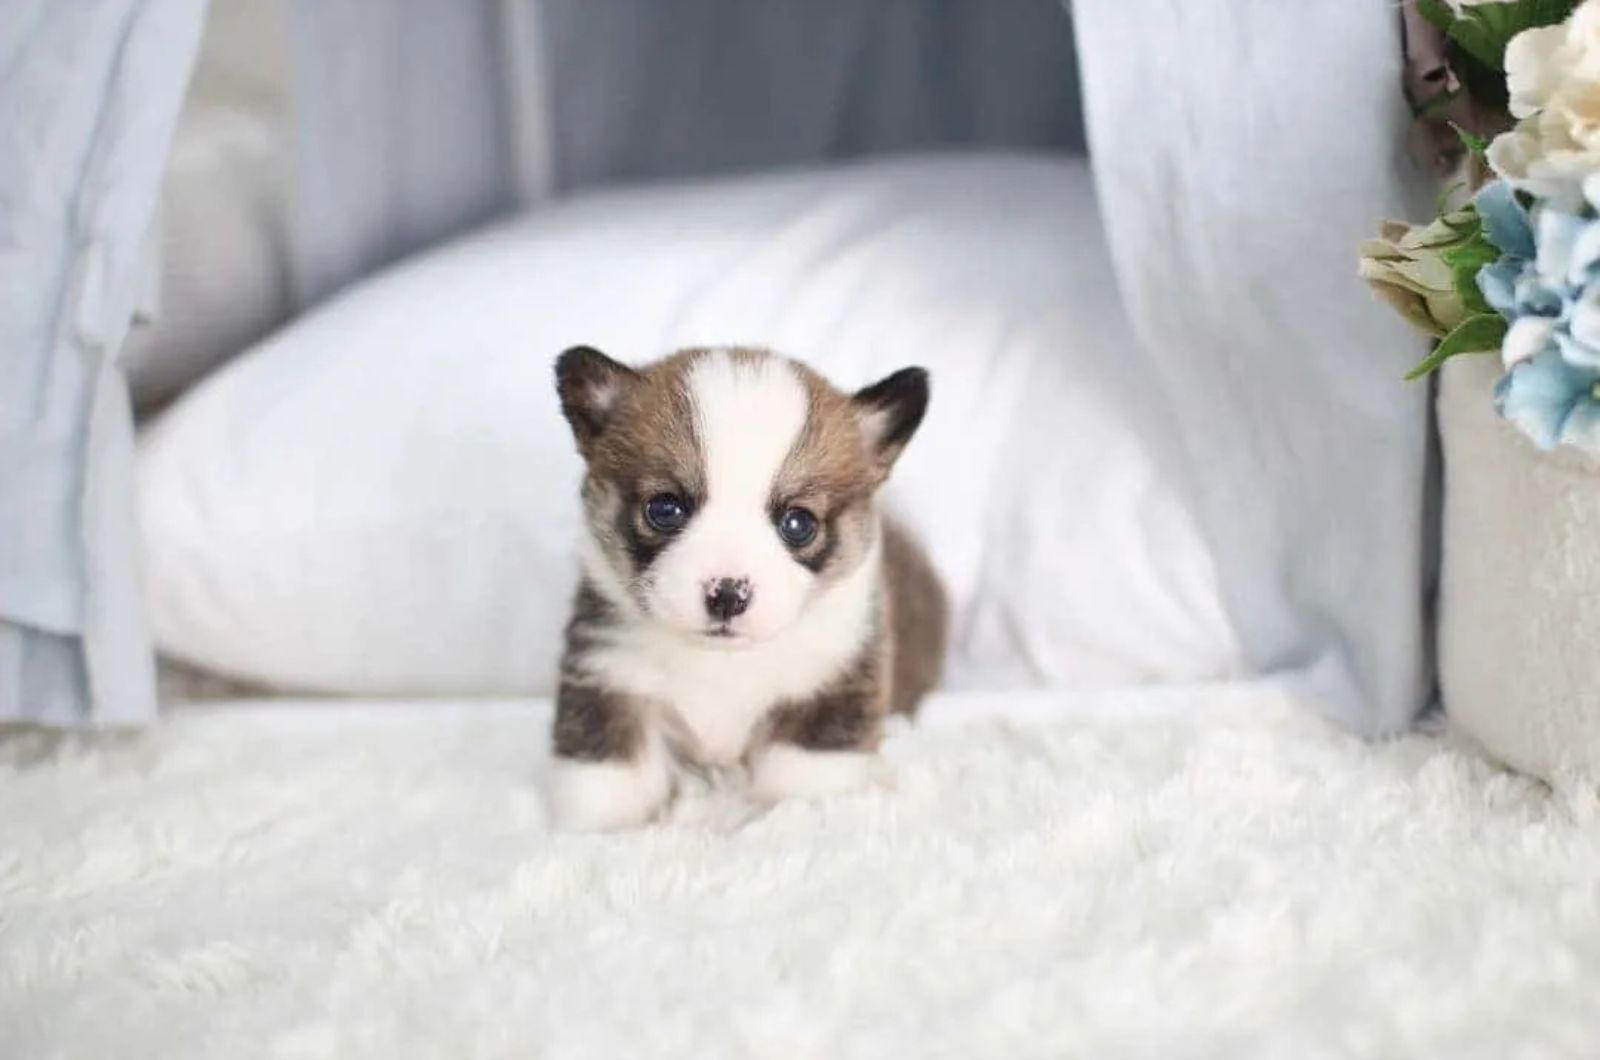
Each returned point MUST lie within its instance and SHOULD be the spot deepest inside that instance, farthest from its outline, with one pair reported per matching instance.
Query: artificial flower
(1553, 77)
(1533, 68)
(1517, 271)
(1546, 285)
(1551, 401)
(1405, 267)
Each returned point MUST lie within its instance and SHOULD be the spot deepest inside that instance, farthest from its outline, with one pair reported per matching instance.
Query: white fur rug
(1184, 874)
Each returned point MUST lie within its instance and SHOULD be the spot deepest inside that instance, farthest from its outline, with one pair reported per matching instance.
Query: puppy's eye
(666, 513)
(797, 527)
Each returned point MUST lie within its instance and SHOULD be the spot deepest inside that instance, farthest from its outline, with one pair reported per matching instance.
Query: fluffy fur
(1185, 873)
(702, 637)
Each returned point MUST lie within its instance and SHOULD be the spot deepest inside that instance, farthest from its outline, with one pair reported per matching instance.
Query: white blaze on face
(748, 414)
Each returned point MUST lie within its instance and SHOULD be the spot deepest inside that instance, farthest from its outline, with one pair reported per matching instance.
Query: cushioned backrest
(419, 119)
(699, 87)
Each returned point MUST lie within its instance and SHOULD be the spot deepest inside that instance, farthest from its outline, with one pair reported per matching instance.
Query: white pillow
(382, 498)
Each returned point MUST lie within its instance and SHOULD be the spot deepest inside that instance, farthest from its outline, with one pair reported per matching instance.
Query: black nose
(727, 597)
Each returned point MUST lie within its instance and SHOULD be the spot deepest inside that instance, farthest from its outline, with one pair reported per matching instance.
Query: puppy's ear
(590, 385)
(889, 412)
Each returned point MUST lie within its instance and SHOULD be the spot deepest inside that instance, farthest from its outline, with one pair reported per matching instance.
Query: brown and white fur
(710, 630)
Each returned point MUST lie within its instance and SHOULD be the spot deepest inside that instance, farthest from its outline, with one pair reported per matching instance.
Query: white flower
(1553, 75)
(1582, 58)
(1526, 338)
(1533, 68)
(1545, 162)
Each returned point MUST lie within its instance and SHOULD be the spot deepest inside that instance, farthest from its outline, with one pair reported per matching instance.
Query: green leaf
(1437, 12)
(1510, 17)
(1480, 38)
(1484, 84)
(1474, 143)
(1549, 12)
(1464, 279)
(1476, 334)
(1483, 30)
(1463, 223)
(1475, 253)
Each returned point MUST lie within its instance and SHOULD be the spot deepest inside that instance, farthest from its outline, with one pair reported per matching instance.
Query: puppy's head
(726, 488)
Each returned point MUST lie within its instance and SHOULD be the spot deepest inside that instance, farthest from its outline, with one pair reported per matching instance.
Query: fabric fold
(94, 89)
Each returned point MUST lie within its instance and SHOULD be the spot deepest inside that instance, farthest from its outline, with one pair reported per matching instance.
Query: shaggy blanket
(1201, 873)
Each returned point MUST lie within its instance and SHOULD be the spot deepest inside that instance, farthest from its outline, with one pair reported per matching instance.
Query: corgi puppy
(743, 604)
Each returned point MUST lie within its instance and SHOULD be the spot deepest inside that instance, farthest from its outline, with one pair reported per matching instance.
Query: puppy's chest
(710, 702)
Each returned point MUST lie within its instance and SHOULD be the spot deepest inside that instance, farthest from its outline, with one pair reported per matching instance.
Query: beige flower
(1403, 267)
(1533, 68)
(1553, 75)
(1543, 159)
(1582, 58)
(1572, 117)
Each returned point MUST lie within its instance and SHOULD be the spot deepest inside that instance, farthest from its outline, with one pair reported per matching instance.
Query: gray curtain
(688, 87)
(403, 131)
(417, 119)
(91, 92)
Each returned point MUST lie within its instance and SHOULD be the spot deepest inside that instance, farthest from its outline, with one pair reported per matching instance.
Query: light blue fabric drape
(1241, 152)
(89, 95)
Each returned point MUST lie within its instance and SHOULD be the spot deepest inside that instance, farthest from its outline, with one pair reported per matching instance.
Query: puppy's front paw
(783, 771)
(604, 796)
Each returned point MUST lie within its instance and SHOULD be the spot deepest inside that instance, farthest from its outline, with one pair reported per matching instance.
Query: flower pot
(1519, 609)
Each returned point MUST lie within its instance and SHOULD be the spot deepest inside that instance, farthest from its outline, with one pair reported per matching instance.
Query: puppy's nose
(727, 597)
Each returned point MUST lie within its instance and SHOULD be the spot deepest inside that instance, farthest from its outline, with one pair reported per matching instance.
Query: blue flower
(1551, 401)
(1546, 284)
(1505, 222)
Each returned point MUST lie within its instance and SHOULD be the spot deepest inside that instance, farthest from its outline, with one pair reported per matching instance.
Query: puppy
(743, 604)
